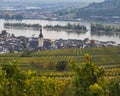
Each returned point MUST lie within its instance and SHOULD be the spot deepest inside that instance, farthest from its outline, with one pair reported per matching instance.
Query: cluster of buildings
(10, 43)
(25, 12)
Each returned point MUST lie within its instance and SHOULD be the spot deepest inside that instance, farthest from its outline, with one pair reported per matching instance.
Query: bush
(16, 82)
(89, 79)
(27, 53)
(114, 87)
(61, 65)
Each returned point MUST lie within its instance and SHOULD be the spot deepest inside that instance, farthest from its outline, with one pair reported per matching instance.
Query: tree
(4, 32)
(89, 79)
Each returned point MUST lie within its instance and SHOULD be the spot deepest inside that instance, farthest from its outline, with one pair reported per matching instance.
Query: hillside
(107, 10)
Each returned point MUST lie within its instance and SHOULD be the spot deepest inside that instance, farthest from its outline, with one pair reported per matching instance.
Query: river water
(48, 34)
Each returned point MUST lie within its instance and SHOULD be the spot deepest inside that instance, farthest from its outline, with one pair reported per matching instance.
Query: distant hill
(107, 10)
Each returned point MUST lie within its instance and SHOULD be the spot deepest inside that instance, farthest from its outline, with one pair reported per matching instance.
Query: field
(107, 57)
(44, 62)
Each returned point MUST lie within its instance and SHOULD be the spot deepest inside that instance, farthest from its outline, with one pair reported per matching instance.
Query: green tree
(89, 79)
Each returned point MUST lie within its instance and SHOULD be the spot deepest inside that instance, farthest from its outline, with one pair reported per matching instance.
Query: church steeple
(40, 35)
(40, 40)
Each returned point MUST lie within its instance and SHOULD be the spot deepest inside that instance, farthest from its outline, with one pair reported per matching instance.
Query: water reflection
(67, 31)
(108, 34)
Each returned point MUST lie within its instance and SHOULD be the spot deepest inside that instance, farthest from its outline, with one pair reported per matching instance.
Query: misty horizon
(52, 1)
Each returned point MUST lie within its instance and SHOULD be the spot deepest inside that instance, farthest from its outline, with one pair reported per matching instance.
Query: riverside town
(11, 43)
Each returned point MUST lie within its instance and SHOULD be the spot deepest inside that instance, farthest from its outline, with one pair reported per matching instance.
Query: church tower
(40, 40)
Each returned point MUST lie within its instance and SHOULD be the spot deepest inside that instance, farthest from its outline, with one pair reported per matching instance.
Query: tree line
(67, 26)
(22, 25)
(95, 27)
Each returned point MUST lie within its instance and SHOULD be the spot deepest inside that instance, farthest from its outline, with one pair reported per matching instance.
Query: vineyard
(107, 57)
(58, 83)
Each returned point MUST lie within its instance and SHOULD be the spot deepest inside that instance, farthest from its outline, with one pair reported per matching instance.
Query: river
(48, 34)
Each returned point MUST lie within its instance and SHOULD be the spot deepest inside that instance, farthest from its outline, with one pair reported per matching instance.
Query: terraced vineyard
(107, 57)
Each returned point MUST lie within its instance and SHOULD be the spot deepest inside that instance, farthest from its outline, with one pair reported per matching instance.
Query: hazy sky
(74, 0)
(89, 0)
(57, 0)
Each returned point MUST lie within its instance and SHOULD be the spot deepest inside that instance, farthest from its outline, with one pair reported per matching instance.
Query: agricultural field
(47, 60)
(46, 64)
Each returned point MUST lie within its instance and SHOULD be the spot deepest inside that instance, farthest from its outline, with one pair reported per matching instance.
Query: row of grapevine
(55, 74)
(113, 72)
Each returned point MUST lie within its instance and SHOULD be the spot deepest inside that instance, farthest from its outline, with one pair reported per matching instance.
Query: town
(9, 43)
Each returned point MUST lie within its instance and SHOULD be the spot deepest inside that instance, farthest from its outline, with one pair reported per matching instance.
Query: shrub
(114, 87)
(61, 65)
(27, 53)
(89, 79)
(16, 82)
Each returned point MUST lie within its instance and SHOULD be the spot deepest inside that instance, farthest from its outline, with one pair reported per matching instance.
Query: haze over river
(57, 34)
